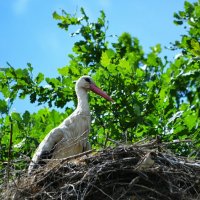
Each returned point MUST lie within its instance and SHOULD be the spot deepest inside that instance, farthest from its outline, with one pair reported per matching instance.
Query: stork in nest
(71, 136)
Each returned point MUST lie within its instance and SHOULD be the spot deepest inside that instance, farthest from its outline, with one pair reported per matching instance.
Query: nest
(125, 172)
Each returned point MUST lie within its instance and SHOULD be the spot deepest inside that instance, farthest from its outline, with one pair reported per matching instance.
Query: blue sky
(28, 33)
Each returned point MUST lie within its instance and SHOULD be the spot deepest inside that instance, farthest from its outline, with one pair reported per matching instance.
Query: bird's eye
(88, 80)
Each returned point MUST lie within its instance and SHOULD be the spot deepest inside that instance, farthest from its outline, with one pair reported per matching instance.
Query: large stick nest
(126, 172)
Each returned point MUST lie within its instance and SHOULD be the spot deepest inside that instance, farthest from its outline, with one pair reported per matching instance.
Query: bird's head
(86, 82)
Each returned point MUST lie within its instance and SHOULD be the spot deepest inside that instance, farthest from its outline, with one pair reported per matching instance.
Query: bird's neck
(83, 105)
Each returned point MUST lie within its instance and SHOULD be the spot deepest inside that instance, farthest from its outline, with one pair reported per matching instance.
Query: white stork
(71, 136)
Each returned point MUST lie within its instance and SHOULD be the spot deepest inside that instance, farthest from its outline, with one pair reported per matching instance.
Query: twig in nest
(155, 144)
(152, 190)
(130, 186)
(62, 160)
(47, 193)
(113, 141)
(102, 191)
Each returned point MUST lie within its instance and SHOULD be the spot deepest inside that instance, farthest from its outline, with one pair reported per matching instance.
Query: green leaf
(56, 16)
(152, 60)
(3, 106)
(190, 120)
(105, 60)
(64, 71)
(33, 97)
(16, 116)
(139, 72)
(178, 22)
(39, 78)
(177, 16)
(30, 68)
(26, 117)
(124, 64)
(188, 7)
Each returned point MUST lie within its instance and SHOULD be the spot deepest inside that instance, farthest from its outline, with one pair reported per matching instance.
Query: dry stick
(140, 141)
(48, 185)
(130, 185)
(9, 150)
(86, 190)
(66, 176)
(161, 144)
(62, 160)
(45, 187)
(113, 141)
(102, 191)
(153, 143)
(48, 195)
(152, 190)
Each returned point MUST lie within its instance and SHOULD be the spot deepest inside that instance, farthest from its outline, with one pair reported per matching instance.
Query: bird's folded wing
(46, 148)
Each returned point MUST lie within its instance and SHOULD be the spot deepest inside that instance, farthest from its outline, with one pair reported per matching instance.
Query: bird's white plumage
(71, 136)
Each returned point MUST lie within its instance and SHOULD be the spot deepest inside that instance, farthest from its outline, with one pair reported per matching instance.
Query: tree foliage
(153, 96)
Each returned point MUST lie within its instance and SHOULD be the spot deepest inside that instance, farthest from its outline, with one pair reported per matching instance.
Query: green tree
(153, 96)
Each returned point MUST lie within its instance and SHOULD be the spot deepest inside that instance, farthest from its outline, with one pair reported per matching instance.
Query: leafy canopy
(153, 96)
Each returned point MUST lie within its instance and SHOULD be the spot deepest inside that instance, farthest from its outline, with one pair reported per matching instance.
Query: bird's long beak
(98, 91)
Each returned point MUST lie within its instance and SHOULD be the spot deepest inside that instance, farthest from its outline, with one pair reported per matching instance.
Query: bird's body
(71, 136)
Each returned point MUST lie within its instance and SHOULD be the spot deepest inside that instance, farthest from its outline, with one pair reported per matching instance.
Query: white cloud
(20, 6)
